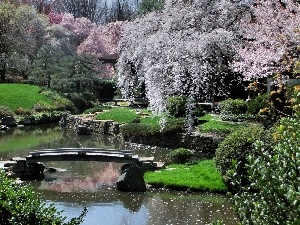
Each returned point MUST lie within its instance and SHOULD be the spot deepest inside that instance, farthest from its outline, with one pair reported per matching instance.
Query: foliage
(177, 106)
(5, 111)
(22, 111)
(181, 155)
(21, 95)
(19, 204)
(258, 104)
(233, 106)
(235, 148)
(147, 6)
(151, 127)
(202, 176)
(63, 73)
(274, 175)
(182, 50)
(41, 117)
(22, 33)
(131, 130)
(79, 101)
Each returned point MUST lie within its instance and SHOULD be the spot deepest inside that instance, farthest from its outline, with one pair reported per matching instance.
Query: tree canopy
(184, 49)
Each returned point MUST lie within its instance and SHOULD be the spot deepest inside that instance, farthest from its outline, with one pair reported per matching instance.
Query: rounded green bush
(236, 146)
(181, 155)
(258, 103)
(233, 106)
(177, 107)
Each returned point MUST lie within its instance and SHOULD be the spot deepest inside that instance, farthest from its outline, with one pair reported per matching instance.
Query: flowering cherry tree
(55, 18)
(184, 49)
(103, 42)
(79, 27)
(271, 37)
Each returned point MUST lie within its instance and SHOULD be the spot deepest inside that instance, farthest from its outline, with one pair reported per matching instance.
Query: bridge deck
(85, 154)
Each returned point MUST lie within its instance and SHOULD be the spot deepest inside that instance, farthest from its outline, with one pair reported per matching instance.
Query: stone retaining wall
(96, 126)
(203, 144)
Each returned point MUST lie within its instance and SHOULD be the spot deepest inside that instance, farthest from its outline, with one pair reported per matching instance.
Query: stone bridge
(132, 170)
(88, 154)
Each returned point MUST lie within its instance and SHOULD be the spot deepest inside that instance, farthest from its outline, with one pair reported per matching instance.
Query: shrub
(22, 111)
(274, 175)
(62, 104)
(79, 101)
(5, 111)
(177, 107)
(43, 107)
(181, 155)
(173, 125)
(131, 130)
(19, 204)
(259, 103)
(234, 149)
(233, 107)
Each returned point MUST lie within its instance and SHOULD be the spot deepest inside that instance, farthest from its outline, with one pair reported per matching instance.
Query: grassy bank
(211, 123)
(202, 176)
(25, 96)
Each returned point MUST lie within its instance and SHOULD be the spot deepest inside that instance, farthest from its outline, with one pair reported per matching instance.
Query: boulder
(33, 171)
(131, 179)
(9, 121)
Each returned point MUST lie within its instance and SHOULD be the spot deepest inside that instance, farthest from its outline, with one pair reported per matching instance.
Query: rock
(27, 122)
(9, 121)
(131, 179)
(82, 130)
(33, 171)
(3, 127)
(64, 120)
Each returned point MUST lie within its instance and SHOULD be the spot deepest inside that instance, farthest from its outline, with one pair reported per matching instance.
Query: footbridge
(87, 154)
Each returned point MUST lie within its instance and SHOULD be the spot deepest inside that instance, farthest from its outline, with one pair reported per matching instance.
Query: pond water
(92, 184)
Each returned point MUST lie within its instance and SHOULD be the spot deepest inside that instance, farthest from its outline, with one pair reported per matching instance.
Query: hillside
(21, 95)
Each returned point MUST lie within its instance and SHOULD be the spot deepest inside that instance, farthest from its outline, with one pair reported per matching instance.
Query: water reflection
(92, 184)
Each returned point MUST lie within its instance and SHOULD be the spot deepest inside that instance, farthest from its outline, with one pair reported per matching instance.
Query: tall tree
(80, 8)
(184, 49)
(103, 42)
(147, 6)
(22, 34)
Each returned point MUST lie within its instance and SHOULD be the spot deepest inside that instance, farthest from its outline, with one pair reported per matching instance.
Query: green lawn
(202, 176)
(21, 95)
(127, 115)
(118, 114)
(212, 123)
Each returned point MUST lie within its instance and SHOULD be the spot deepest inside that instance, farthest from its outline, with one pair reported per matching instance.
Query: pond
(92, 184)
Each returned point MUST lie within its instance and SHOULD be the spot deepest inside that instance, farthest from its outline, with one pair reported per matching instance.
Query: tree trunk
(2, 74)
